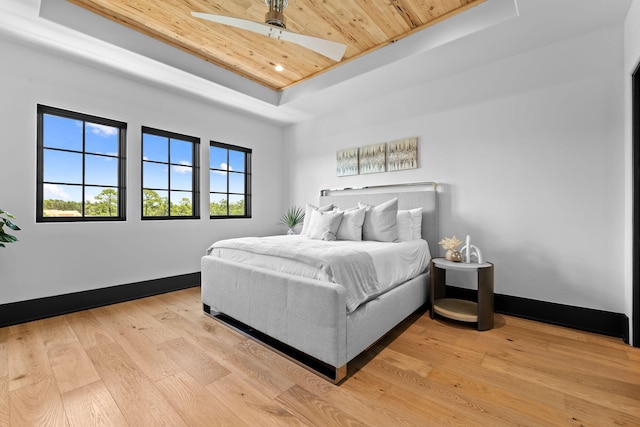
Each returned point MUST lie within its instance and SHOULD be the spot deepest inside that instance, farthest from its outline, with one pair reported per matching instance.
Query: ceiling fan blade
(243, 24)
(327, 48)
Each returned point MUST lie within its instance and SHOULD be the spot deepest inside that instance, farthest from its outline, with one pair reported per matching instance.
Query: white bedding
(390, 263)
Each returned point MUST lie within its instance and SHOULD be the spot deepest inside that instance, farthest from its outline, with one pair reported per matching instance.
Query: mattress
(365, 268)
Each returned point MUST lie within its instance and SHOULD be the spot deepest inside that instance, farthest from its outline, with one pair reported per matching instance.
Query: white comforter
(365, 268)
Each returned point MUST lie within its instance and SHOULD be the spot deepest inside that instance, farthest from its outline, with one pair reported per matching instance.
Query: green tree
(218, 208)
(183, 208)
(153, 204)
(106, 204)
(237, 208)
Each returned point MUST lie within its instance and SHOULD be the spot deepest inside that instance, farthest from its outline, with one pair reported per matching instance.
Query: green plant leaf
(4, 237)
(11, 225)
(293, 216)
(7, 214)
(8, 238)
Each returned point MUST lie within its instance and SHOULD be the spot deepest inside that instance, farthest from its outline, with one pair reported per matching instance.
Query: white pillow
(351, 225)
(409, 224)
(307, 216)
(405, 226)
(324, 225)
(416, 218)
(380, 222)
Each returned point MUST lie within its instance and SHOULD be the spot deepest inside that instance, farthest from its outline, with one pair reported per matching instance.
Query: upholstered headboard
(410, 196)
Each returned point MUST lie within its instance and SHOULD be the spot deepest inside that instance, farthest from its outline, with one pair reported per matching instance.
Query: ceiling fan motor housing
(275, 28)
(275, 16)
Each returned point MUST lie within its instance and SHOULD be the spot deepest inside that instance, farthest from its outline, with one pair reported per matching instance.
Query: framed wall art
(403, 154)
(347, 162)
(373, 158)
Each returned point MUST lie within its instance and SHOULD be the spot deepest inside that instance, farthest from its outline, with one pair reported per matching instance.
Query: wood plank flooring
(161, 361)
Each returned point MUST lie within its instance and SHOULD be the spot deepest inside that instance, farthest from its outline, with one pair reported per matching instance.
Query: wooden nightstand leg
(485, 298)
(437, 291)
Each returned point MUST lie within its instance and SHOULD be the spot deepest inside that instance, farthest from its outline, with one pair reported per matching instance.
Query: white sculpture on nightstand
(469, 250)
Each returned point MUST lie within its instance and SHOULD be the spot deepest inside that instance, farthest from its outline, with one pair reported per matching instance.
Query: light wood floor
(161, 361)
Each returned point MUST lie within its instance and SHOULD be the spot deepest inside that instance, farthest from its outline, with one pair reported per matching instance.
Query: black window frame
(43, 110)
(195, 185)
(248, 152)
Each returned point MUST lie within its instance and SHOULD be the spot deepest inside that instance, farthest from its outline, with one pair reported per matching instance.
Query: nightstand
(480, 312)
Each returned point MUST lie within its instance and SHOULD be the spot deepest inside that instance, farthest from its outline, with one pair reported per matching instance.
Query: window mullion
(195, 179)
(169, 177)
(228, 183)
(84, 168)
(246, 190)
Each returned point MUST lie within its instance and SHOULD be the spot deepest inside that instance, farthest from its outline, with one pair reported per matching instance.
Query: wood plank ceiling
(363, 25)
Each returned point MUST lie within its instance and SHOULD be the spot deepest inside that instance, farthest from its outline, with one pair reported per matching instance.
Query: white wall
(52, 259)
(631, 61)
(530, 154)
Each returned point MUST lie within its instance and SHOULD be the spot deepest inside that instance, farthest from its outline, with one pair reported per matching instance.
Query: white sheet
(394, 263)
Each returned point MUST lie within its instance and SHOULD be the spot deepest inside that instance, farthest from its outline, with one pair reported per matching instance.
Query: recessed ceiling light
(279, 68)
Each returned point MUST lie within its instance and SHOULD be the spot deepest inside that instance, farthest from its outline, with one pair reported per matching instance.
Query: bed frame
(306, 319)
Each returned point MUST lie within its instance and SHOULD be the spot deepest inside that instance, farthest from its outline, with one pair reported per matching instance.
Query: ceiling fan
(275, 27)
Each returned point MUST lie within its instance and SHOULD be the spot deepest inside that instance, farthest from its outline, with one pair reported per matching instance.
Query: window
(169, 175)
(230, 181)
(80, 167)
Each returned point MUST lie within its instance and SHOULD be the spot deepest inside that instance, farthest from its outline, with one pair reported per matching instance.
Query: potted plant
(450, 244)
(293, 217)
(5, 219)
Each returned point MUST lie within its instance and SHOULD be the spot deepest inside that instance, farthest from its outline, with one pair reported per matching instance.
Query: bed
(309, 317)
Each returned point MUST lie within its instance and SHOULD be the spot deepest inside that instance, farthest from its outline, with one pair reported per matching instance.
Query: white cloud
(185, 168)
(102, 130)
(52, 191)
(222, 167)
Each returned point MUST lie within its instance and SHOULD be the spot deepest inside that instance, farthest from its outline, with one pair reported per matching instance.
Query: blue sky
(162, 149)
(218, 178)
(101, 166)
(66, 167)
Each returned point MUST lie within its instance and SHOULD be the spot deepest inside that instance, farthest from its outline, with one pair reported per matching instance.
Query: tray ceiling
(363, 25)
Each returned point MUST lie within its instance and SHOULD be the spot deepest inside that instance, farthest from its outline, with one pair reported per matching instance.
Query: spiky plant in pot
(293, 217)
